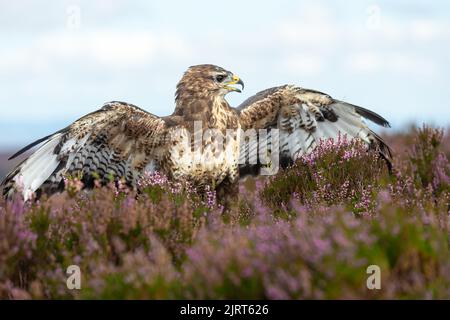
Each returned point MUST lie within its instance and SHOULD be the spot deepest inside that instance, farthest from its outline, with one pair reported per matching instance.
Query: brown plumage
(122, 141)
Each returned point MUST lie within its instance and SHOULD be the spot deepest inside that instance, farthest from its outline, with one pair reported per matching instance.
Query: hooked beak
(235, 80)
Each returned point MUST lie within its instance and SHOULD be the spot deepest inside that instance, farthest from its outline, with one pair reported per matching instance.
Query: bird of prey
(123, 141)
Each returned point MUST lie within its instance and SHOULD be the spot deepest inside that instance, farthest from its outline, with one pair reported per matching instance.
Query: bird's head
(208, 80)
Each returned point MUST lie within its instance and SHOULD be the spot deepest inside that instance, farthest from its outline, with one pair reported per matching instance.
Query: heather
(308, 232)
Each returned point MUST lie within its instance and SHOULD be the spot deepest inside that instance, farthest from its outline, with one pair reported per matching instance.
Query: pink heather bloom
(335, 216)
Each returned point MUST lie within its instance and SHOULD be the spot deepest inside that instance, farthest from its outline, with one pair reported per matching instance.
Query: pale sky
(62, 59)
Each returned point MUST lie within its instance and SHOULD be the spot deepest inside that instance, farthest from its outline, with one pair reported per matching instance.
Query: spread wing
(117, 141)
(303, 118)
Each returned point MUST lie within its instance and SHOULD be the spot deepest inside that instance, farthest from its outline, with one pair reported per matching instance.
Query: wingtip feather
(367, 114)
(33, 144)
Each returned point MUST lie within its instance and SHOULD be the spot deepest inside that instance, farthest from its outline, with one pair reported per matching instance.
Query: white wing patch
(299, 135)
(302, 126)
(38, 167)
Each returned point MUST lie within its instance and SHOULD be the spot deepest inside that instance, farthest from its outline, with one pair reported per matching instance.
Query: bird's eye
(220, 77)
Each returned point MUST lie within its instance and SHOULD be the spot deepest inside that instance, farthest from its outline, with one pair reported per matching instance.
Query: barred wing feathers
(119, 140)
(303, 118)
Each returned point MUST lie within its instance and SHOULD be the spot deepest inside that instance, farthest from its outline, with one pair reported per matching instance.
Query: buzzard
(123, 141)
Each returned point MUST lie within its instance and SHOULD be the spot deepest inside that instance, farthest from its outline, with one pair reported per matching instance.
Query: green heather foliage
(309, 232)
(336, 172)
